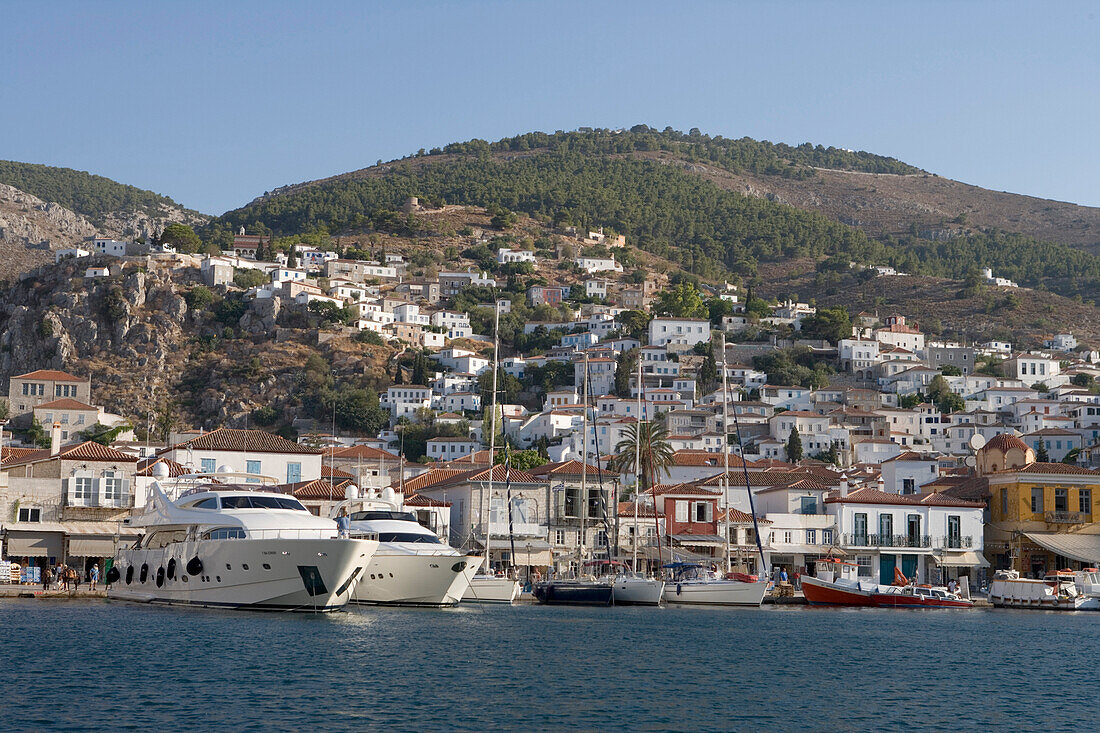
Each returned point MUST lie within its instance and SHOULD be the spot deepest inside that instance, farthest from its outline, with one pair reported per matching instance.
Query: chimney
(55, 439)
(881, 486)
(843, 485)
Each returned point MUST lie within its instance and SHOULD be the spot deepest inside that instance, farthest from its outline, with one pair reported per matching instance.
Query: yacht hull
(397, 577)
(637, 592)
(826, 593)
(574, 593)
(491, 589)
(308, 575)
(715, 593)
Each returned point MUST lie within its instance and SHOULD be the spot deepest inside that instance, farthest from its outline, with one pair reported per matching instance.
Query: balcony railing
(887, 540)
(955, 543)
(1065, 517)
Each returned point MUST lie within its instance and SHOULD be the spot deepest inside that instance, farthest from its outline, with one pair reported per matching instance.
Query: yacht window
(375, 515)
(408, 537)
(225, 533)
(165, 538)
(236, 502)
(208, 503)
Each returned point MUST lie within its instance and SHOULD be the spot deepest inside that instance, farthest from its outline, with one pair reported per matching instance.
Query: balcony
(519, 529)
(955, 543)
(1065, 517)
(887, 540)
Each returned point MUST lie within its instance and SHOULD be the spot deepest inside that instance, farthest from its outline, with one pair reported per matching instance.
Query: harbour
(126, 666)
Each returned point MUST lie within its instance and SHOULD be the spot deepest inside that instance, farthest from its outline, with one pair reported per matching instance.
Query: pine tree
(794, 446)
(1041, 454)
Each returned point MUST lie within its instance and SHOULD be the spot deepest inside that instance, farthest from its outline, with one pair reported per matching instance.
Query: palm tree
(655, 452)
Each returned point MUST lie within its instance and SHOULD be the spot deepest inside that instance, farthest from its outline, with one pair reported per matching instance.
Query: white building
(507, 256)
(598, 264)
(451, 449)
(687, 331)
(248, 451)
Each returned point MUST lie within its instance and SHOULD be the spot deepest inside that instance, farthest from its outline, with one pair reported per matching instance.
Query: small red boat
(836, 587)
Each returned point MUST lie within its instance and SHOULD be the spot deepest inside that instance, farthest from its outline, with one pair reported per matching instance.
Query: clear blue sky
(213, 103)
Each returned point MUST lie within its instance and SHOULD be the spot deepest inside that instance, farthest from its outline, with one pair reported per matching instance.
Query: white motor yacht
(696, 584)
(238, 546)
(412, 566)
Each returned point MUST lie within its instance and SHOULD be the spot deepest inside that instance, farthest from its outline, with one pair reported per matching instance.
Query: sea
(94, 665)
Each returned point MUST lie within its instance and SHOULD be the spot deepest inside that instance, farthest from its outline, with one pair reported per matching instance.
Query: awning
(528, 552)
(1080, 547)
(31, 543)
(93, 546)
(961, 560)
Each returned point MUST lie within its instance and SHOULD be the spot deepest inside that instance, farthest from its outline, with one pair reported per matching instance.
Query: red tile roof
(365, 452)
(65, 403)
(626, 509)
(874, 496)
(418, 500)
(430, 478)
(52, 375)
(694, 457)
(145, 467)
(685, 489)
(567, 468)
(738, 516)
(251, 441)
(1063, 468)
(86, 451)
(316, 489)
(333, 472)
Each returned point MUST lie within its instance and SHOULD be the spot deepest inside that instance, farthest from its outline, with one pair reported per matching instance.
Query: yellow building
(1041, 515)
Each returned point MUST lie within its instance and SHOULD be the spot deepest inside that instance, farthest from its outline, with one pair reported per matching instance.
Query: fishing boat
(838, 584)
(696, 584)
(237, 546)
(1055, 592)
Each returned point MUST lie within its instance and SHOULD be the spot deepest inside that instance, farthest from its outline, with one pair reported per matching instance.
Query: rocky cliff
(30, 228)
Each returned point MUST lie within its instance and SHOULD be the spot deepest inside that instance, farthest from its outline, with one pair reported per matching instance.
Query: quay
(30, 591)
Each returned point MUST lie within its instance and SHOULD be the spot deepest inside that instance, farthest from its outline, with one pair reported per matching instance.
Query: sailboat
(486, 586)
(699, 584)
(578, 591)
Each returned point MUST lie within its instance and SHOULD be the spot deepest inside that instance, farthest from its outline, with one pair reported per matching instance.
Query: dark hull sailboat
(574, 593)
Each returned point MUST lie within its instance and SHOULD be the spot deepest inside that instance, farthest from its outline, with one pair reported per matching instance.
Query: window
(1004, 503)
(908, 486)
(83, 491)
(28, 514)
(864, 566)
(1061, 500)
(787, 538)
(252, 467)
(225, 533)
(702, 511)
(114, 488)
(1084, 501)
(954, 531)
(811, 537)
(859, 528)
(207, 465)
(886, 529)
(79, 419)
(559, 536)
(826, 536)
(681, 511)
(572, 499)
(1036, 500)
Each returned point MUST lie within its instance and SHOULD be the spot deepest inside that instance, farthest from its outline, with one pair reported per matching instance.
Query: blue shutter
(293, 473)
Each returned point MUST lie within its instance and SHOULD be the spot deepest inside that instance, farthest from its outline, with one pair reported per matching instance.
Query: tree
(829, 456)
(291, 257)
(654, 451)
(421, 370)
(708, 372)
(103, 434)
(625, 370)
(37, 435)
(951, 402)
(950, 370)
(523, 460)
(938, 388)
(718, 308)
(794, 446)
(182, 237)
(359, 410)
(1041, 454)
(829, 324)
(973, 283)
(681, 301)
(199, 297)
(1082, 380)
(329, 312)
(634, 323)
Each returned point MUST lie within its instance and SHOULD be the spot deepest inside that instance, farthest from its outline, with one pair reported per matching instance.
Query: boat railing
(313, 533)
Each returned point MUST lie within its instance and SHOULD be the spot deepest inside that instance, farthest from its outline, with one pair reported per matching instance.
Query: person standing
(95, 575)
(783, 575)
(76, 579)
(343, 524)
(47, 576)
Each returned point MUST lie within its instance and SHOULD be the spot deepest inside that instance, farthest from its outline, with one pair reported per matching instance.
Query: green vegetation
(599, 178)
(794, 445)
(830, 324)
(103, 434)
(94, 197)
(795, 366)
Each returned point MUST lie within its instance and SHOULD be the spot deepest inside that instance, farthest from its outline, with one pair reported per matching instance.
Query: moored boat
(918, 596)
(574, 593)
(837, 585)
(238, 546)
(487, 588)
(1055, 592)
(698, 585)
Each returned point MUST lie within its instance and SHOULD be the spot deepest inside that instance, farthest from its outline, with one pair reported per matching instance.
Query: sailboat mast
(725, 452)
(492, 435)
(637, 464)
(584, 465)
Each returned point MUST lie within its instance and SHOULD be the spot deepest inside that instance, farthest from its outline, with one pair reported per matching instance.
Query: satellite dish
(971, 461)
(351, 492)
(160, 470)
(224, 469)
(977, 441)
(388, 494)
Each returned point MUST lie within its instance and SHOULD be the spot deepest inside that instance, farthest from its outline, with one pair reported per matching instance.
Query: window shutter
(94, 499)
(65, 488)
(124, 496)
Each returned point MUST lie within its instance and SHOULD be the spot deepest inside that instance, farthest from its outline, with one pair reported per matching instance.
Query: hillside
(112, 208)
(31, 227)
(717, 208)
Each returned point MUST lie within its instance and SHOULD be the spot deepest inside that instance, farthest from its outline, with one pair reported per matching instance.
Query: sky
(214, 103)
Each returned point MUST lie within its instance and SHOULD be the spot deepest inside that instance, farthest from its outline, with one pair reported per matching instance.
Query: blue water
(79, 666)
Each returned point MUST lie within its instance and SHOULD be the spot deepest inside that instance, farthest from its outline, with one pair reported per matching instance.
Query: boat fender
(129, 575)
(677, 589)
(194, 566)
(112, 575)
(172, 569)
(459, 566)
(160, 577)
(144, 574)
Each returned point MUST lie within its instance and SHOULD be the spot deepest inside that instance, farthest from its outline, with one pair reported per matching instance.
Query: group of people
(64, 577)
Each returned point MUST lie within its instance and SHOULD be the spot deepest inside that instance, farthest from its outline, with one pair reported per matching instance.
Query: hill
(717, 208)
